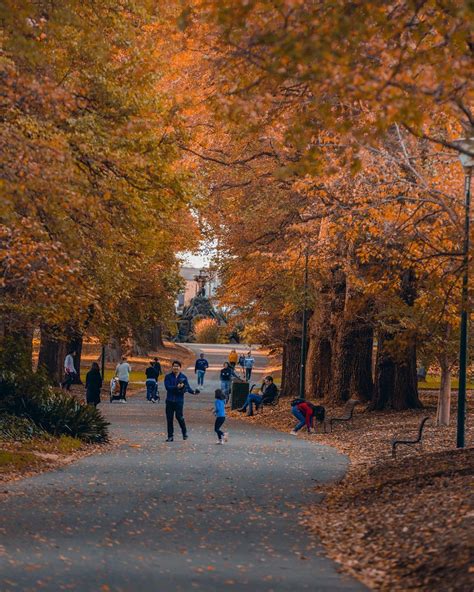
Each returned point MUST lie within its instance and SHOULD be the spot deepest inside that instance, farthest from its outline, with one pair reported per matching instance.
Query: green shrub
(18, 428)
(56, 413)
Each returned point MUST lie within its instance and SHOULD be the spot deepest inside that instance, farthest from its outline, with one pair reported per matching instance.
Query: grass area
(135, 375)
(17, 461)
(433, 382)
(62, 445)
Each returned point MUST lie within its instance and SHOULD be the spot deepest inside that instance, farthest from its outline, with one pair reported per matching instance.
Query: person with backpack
(200, 368)
(305, 412)
(176, 385)
(219, 412)
(93, 385)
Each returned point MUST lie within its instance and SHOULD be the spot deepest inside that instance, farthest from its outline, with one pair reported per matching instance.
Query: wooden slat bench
(346, 415)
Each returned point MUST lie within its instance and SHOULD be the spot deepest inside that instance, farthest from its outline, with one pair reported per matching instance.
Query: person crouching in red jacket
(304, 413)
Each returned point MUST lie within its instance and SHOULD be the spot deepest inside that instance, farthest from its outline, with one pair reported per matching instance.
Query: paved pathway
(157, 517)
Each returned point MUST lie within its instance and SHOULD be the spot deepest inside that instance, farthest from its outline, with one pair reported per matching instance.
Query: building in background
(196, 280)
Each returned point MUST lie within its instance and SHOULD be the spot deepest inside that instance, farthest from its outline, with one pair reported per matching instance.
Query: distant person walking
(248, 365)
(176, 385)
(70, 372)
(200, 369)
(219, 412)
(122, 372)
(93, 385)
(233, 358)
(151, 383)
(226, 375)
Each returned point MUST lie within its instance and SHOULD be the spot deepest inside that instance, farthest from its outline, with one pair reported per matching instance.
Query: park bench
(401, 439)
(346, 415)
(273, 403)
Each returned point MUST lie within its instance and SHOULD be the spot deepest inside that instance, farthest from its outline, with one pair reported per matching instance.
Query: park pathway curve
(155, 517)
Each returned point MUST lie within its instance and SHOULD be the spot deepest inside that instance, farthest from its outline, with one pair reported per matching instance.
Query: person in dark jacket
(176, 385)
(266, 395)
(151, 383)
(200, 369)
(93, 385)
(226, 375)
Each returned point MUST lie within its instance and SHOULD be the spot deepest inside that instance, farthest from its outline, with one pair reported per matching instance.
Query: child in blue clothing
(219, 412)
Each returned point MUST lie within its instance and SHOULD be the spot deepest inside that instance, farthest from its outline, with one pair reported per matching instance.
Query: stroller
(114, 390)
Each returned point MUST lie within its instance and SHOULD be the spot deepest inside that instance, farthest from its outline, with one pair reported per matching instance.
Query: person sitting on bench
(266, 395)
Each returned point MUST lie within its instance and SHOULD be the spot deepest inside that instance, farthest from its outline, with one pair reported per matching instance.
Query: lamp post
(467, 161)
(304, 329)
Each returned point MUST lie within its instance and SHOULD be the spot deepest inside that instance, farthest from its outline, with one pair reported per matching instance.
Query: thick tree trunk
(113, 351)
(290, 380)
(156, 337)
(396, 385)
(352, 366)
(444, 400)
(51, 354)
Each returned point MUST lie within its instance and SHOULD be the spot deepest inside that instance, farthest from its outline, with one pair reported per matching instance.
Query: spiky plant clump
(19, 429)
(53, 412)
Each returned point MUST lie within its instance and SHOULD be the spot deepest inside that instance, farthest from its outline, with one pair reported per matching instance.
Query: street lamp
(466, 156)
(304, 330)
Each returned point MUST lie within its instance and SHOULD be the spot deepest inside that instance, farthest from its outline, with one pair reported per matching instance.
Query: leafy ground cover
(28, 457)
(396, 524)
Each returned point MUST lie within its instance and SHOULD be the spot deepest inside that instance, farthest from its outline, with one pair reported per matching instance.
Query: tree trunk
(156, 337)
(52, 353)
(138, 348)
(113, 351)
(352, 365)
(396, 385)
(290, 379)
(444, 400)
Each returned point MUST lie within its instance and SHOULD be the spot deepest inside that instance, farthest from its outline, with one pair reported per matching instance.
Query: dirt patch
(396, 524)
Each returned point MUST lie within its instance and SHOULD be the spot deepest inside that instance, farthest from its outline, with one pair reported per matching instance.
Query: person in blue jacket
(176, 384)
(219, 412)
(200, 369)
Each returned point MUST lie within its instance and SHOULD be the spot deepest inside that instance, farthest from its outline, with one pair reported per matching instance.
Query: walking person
(70, 373)
(122, 371)
(176, 385)
(151, 383)
(226, 375)
(200, 369)
(219, 412)
(233, 358)
(93, 385)
(248, 365)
